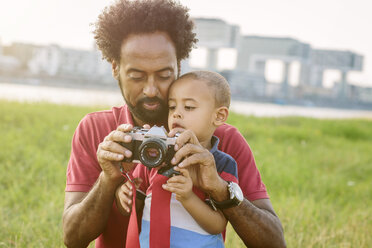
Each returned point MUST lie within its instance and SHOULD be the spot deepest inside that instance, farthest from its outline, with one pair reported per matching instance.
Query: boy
(198, 101)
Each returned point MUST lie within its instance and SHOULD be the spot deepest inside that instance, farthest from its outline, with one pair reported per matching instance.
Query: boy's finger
(137, 181)
(126, 206)
(176, 179)
(174, 131)
(185, 172)
(172, 188)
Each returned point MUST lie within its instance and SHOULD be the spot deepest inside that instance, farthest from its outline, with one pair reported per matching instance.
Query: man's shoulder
(100, 123)
(229, 135)
(226, 128)
(114, 116)
(104, 114)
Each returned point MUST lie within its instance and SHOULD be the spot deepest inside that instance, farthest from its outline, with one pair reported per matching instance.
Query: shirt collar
(214, 142)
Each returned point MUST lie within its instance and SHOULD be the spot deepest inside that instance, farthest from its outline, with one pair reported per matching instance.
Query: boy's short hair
(216, 81)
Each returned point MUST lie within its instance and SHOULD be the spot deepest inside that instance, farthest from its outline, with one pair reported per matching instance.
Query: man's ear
(221, 115)
(115, 69)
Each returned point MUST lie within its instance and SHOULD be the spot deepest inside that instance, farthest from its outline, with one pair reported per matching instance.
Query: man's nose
(151, 88)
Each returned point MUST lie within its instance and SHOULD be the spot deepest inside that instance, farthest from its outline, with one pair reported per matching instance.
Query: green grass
(318, 174)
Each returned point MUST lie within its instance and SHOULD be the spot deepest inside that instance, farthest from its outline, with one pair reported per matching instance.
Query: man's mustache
(151, 100)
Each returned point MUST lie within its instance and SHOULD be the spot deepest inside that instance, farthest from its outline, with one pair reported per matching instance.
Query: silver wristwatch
(236, 197)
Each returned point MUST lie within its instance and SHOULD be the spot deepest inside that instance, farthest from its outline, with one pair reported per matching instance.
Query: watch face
(237, 191)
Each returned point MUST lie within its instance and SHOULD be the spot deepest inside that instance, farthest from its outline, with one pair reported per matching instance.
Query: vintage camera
(151, 147)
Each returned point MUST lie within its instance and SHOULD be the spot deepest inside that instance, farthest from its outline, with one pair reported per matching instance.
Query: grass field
(318, 174)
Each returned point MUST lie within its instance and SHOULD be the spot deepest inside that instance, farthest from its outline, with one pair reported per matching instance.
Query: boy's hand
(192, 155)
(180, 185)
(124, 196)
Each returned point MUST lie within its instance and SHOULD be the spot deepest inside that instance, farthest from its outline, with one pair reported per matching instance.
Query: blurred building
(214, 34)
(8, 64)
(23, 52)
(53, 60)
(254, 52)
(53, 64)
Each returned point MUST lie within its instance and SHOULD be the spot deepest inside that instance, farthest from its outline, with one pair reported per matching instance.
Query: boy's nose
(177, 115)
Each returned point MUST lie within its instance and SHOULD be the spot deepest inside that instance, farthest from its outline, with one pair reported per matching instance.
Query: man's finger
(146, 126)
(113, 147)
(185, 151)
(198, 158)
(110, 156)
(187, 136)
(118, 136)
(125, 127)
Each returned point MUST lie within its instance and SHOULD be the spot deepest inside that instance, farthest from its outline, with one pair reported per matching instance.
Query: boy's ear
(221, 116)
(115, 69)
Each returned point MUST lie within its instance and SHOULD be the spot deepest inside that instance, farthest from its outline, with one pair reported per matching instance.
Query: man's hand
(110, 153)
(124, 196)
(190, 154)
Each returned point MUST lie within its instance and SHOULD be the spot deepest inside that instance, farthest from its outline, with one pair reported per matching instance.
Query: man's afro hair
(125, 17)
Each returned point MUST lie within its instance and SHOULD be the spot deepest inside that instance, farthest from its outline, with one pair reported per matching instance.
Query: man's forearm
(254, 223)
(86, 220)
(255, 226)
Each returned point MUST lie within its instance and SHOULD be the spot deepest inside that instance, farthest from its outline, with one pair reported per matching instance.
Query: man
(145, 42)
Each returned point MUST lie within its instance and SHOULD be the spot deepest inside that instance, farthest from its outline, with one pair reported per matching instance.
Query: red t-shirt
(83, 168)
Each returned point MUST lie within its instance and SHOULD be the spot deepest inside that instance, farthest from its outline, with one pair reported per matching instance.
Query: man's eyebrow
(134, 70)
(166, 69)
(161, 70)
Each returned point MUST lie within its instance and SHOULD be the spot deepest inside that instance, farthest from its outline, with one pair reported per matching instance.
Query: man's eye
(165, 75)
(172, 107)
(136, 76)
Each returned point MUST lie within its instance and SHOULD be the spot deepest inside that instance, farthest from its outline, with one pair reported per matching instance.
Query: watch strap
(233, 201)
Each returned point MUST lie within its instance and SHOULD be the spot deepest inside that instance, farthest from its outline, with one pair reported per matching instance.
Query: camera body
(151, 147)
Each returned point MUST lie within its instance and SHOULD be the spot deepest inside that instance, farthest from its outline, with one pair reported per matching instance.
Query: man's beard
(151, 117)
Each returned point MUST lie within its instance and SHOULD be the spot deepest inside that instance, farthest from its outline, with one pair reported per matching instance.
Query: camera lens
(152, 152)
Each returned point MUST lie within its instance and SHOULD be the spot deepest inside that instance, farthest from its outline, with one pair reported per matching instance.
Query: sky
(324, 24)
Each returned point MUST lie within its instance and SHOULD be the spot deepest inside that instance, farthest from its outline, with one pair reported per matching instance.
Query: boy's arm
(214, 222)
(211, 221)
(255, 222)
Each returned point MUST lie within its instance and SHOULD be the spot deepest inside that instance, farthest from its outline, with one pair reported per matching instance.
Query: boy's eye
(189, 108)
(172, 107)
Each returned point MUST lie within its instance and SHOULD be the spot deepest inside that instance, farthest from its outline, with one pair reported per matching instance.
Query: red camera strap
(132, 240)
(160, 214)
